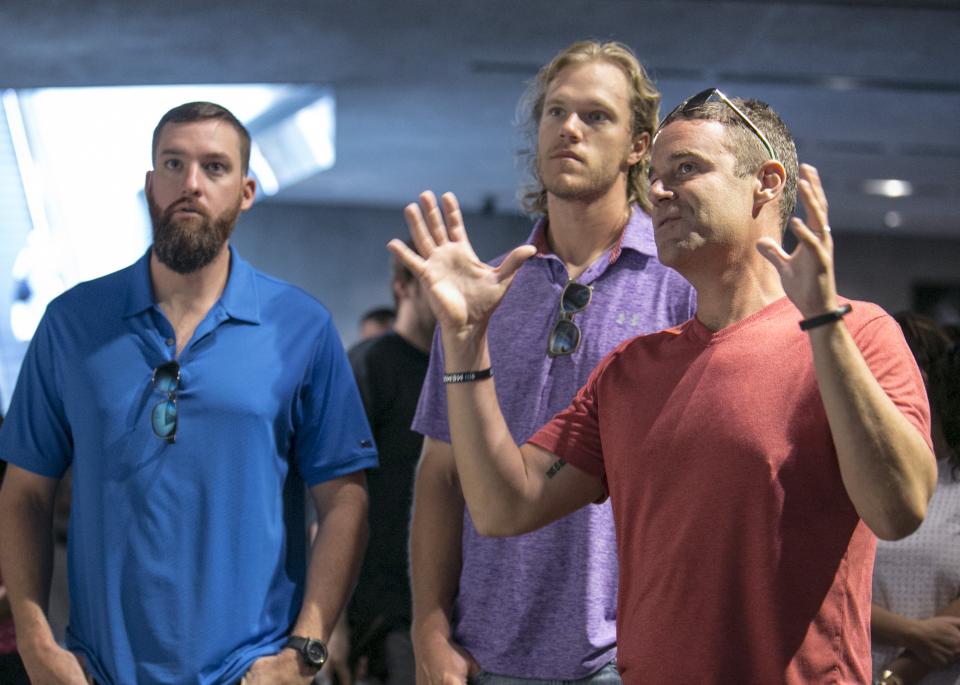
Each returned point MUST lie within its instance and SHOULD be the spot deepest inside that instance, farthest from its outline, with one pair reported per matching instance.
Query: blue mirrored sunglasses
(163, 418)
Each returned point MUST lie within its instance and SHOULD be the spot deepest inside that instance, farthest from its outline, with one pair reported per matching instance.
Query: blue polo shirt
(187, 560)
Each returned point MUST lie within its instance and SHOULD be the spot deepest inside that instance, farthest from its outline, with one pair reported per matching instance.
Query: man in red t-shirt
(750, 461)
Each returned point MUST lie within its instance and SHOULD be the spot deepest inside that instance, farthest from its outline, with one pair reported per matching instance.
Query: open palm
(807, 273)
(462, 290)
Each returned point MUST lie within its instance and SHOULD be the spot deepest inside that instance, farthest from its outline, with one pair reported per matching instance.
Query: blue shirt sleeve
(36, 434)
(332, 438)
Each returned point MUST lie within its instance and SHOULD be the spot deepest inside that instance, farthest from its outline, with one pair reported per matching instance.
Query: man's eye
(597, 117)
(172, 164)
(686, 167)
(216, 167)
(555, 112)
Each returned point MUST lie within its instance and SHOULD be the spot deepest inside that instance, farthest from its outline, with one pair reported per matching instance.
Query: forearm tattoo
(557, 465)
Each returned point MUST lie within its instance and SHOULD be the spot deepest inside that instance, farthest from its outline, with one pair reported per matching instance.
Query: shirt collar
(637, 236)
(139, 289)
(240, 298)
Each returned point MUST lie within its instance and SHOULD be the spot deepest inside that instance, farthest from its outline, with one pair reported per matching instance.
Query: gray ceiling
(426, 91)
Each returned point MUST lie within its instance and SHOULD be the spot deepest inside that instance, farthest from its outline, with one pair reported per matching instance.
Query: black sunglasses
(163, 418)
(565, 336)
(695, 102)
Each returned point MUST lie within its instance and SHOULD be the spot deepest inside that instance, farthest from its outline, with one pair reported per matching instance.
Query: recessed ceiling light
(888, 187)
(892, 219)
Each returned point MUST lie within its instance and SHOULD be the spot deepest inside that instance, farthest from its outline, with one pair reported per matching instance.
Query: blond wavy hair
(644, 107)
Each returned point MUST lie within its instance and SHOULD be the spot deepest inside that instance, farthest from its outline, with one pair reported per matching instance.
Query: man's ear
(147, 181)
(639, 149)
(771, 180)
(248, 193)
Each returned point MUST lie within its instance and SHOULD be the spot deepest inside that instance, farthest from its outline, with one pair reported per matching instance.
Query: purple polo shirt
(543, 605)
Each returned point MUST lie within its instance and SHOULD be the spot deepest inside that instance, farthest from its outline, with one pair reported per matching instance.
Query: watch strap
(296, 642)
(305, 646)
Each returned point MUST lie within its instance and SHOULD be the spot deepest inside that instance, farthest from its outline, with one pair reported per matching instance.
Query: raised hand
(807, 274)
(463, 291)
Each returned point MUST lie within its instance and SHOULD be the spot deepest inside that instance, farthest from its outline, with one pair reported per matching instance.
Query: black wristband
(824, 319)
(467, 376)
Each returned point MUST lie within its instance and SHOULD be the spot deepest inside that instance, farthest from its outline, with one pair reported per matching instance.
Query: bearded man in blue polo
(193, 396)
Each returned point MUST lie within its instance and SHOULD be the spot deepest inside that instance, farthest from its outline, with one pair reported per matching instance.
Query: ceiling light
(888, 187)
(892, 219)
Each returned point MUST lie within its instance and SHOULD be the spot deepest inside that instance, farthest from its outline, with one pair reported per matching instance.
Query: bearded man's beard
(187, 245)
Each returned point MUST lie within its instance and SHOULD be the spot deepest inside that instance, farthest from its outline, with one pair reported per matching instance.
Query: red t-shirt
(742, 559)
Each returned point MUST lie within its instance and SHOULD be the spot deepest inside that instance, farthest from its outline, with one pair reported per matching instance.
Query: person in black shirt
(390, 370)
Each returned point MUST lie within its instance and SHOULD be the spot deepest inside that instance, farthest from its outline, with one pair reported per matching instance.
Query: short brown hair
(644, 107)
(202, 111)
(747, 147)
(399, 273)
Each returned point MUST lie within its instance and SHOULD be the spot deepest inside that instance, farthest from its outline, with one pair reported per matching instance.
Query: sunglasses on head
(163, 418)
(565, 336)
(695, 102)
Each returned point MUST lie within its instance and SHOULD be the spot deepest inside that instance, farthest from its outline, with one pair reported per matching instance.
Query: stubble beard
(585, 188)
(684, 245)
(188, 245)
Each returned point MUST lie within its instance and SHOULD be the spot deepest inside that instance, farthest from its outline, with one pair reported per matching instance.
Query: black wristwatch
(314, 652)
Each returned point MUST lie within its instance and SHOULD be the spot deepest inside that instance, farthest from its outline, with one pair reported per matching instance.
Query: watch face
(315, 652)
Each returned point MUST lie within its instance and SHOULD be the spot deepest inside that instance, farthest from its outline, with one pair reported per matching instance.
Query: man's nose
(191, 180)
(571, 127)
(658, 191)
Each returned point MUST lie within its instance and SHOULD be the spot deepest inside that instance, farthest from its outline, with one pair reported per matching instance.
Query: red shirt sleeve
(886, 352)
(574, 434)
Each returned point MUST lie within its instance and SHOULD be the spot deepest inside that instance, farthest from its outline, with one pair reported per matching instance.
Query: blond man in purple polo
(543, 606)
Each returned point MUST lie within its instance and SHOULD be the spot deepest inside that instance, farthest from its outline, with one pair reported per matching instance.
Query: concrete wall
(338, 254)
(885, 269)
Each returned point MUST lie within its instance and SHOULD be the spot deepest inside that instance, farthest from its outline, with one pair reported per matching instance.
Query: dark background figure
(390, 370)
(916, 581)
(375, 322)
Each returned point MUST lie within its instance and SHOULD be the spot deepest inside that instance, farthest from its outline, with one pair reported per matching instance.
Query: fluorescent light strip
(263, 171)
(21, 149)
